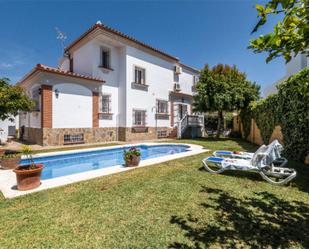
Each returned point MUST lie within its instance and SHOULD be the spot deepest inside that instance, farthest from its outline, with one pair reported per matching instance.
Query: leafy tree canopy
(290, 35)
(224, 89)
(12, 100)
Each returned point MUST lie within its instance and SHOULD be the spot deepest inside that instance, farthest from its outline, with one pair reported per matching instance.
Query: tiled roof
(116, 32)
(44, 68)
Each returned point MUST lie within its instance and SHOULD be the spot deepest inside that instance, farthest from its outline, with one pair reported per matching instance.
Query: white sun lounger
(277, 147)
(261, 162)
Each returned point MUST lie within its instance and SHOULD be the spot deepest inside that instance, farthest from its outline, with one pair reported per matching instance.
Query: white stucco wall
(111, 77)
(292, 67)
(73, 107)
(159, 78)
(30, 119)
(296, 64)
(4, 128)
(83, 59)
(122, 96)
(186, 81)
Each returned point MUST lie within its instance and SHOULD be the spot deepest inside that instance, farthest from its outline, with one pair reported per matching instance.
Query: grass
(175, 204)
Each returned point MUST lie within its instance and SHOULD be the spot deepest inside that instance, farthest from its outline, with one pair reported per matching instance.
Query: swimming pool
(82, 161)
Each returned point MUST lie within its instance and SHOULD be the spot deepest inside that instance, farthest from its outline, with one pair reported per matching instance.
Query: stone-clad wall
(33, 135)
(52, 136)
(55, 136)
(128, 134)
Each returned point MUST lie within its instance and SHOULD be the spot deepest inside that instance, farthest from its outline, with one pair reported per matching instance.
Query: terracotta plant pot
(28, 178)
(10, 163)
(2, 152)
(133, 162)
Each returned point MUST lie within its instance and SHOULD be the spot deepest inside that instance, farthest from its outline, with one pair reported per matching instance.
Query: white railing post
(187, 120)
(182, 124)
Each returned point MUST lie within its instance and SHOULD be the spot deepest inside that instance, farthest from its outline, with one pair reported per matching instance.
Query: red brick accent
(95, 109)
(191, 109)
(46, 112)
(172, 113)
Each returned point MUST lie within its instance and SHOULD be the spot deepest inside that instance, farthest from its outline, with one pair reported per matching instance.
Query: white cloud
(6, 65)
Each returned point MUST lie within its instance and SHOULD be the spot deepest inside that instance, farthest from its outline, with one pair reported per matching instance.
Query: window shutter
(100, 103)
(109, 104)
(133, 117)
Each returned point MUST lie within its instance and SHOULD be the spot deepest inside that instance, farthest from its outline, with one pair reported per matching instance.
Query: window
(182, 110)
(162, 134)
(105, 103)
(139, 117)
(195, 80)
(105, 58)
(73, 138)
(139, 76)
(162, 106)
(36, 98)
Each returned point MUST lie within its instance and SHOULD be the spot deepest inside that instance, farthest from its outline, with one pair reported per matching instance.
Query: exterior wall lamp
(57, 93)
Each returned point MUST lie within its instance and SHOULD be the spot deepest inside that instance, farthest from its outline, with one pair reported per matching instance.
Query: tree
(223, 89)
(290, 36)
(12, 100)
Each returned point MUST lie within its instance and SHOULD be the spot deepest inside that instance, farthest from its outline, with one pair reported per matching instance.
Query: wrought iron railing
(190, 120)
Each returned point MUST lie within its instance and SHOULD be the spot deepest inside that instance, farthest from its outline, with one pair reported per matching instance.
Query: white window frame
(36, 96)
(109, 104)
(195, 80)
(158, 109)
(142, 81)
(142, 122)
(108, 65)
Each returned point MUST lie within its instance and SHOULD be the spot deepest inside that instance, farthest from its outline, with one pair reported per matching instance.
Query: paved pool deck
(8, 178)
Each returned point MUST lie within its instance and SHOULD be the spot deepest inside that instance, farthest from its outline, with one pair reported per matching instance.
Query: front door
(180, 110)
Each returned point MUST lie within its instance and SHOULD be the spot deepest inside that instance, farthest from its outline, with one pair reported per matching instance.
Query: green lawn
(175, 204)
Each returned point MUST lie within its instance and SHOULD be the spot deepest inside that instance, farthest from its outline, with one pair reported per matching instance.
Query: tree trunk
(220, 115)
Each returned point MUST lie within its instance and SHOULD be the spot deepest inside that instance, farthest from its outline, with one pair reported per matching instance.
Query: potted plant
(28, 176)
(2, 151)
(9, 160)
(132, 157)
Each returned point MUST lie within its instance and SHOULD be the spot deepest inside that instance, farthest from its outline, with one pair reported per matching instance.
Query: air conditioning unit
(178, 69)
(177, 87)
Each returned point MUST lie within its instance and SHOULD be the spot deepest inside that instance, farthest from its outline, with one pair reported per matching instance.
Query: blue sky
(198, 32)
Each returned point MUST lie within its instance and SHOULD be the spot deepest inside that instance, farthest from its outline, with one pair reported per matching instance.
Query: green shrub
(211, 120)
(245, 116)
(265, 113)
(293, 102)
(289, 108)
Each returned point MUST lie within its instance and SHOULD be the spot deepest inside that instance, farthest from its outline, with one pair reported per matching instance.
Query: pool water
(77, 162)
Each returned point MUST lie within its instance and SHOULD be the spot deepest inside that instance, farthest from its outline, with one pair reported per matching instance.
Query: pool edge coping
(8, 178)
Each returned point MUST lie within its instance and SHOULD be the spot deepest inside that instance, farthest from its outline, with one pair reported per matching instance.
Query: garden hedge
(289, 108)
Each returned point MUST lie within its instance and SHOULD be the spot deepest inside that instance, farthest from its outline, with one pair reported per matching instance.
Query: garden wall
(255, 136)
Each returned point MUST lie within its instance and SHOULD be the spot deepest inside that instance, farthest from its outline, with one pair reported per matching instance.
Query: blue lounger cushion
(214, 159)
(222, 152)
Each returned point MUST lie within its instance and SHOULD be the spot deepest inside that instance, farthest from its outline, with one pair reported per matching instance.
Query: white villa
(107, 87)
(296, 64)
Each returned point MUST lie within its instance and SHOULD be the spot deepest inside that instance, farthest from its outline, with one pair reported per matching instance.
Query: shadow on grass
(301, 181)
(262, 221)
